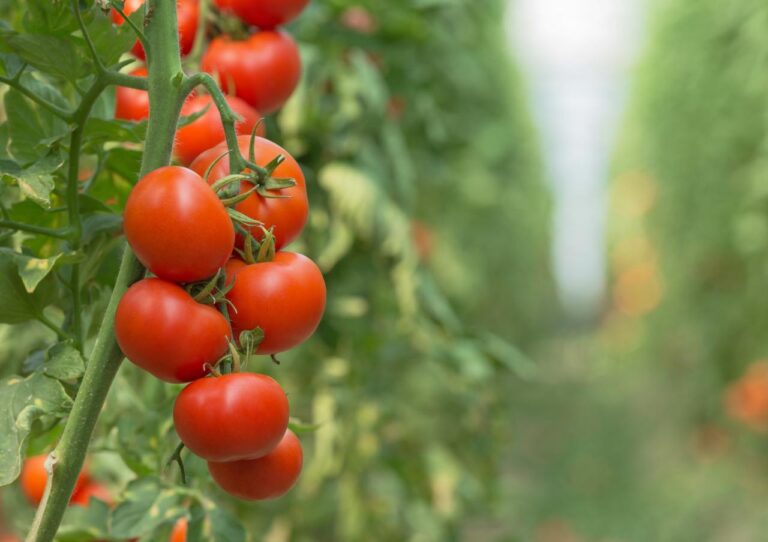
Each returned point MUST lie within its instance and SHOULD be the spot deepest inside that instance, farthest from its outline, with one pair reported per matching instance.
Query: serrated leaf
(31, 130)
(31, 270)
(22, 403)
(63, 362)
(35, 182)
(16, 304)
(56, 55)
(51, 17)
(147, 505)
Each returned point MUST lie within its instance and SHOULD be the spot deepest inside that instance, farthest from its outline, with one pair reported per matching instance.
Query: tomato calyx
(258, 251)
(211, 291)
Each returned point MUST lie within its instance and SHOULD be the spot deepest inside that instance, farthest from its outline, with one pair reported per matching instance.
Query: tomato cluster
(260, 67)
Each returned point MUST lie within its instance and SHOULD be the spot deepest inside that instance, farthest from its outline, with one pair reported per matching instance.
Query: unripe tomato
(207, 130)
(263, 70)
(231, 417)
(177, 226)
(132, 103)
(160, 328)
(34, 477)
(287, 214)
(265, 14)
(82, 496)
(179, 533)
(284, 297)
(187, 13)
(268, 477)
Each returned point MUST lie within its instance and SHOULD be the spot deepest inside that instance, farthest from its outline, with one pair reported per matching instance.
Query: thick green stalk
(66, 461)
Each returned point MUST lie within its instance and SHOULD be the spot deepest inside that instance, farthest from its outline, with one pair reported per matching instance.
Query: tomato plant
(187, 14)
(34, 478)
(285, 210)
(263, 69)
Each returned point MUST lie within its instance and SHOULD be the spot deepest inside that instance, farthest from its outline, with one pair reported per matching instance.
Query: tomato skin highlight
(284, 297)
(187, 13)
(163, 330)
(34, 477)
(264, 68)
(208, 131)
(287, 215)
(231, 417)
(132, 103)
(265, 14)
(177, 226)
(268, 477)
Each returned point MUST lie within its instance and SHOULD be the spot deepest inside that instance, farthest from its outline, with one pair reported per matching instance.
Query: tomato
(34, 477)
(265, 14)
(82, 496)
(284, 297)
(267, 477)
(207, 130)
(286, 214)
(160, 328)
(177, 226)
(179, 533)
(8, 537)
(263, 70)
(132, 103)
(187, 13)
(231, 417)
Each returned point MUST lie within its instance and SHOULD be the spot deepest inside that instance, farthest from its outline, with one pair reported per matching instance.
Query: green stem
(165, 77)
(62, 233)
(43, 319)
(237, 161)
(39, 100)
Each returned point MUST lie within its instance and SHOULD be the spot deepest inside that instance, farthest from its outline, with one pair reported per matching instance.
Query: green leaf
(35, 182)
(16, 304)
(50, 17)
(22, 403)
(101, 223)
(83, 523)
(31, 270)
(63, 362)
(32, 130)
(223, 526)
(111, 41)
(51, 54)
(98, 131)
(147, 506)
(11, 64)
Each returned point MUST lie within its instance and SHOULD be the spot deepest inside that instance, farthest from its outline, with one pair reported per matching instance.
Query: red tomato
(177, 225)
(187, 13)
(160, 328)
(231, 417)
(265, 14)
(179, 533)
(263, 70)
(207, 131)
(267, 477)
(82, 496)
(286, 214)
(34, 477)
(284, 297)
(132, 103)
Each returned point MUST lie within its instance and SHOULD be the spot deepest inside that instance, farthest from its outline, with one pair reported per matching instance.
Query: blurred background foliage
(422, 172)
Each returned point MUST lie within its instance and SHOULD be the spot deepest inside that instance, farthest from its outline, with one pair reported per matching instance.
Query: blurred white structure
(576, 56)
